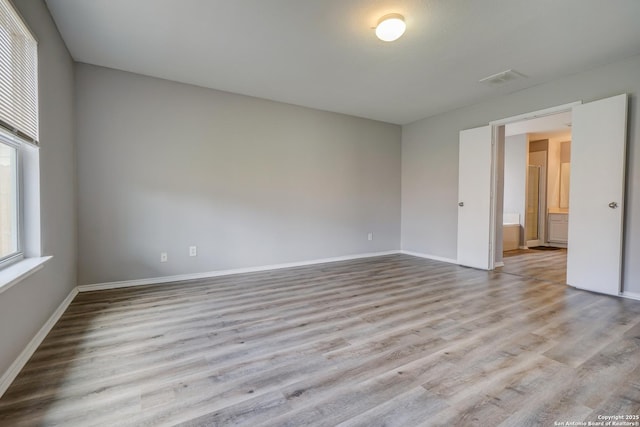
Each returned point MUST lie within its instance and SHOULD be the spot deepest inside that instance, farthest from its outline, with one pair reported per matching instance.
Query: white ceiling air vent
(501, 77)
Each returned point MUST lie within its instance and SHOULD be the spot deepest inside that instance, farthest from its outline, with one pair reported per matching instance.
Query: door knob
(462, 204)
(613, 205)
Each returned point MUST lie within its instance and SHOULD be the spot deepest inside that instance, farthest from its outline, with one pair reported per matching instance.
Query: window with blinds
(18, 75)
(18, 133)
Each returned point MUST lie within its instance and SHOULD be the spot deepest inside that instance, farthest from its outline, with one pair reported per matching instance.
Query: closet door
(596, 197)
(474, 197)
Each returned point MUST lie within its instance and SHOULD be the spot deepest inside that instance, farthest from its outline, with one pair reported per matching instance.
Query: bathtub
(510, 231)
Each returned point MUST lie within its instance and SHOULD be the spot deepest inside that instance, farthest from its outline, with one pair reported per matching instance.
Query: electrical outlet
(193, 250)
(370, 236)
(163, 257)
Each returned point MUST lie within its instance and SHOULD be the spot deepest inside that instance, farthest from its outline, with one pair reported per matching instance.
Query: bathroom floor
(548, 265)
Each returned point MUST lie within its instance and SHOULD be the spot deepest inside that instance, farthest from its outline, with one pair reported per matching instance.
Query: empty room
(319, 213)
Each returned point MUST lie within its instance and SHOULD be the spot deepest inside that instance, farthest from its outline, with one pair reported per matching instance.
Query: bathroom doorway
(535, 197)
(597, 200)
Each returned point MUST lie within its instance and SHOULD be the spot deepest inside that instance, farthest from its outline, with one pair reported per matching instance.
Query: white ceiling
(323, 53)
(555, 123)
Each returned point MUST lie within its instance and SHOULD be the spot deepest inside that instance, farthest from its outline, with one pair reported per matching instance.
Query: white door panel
(474, 193)
(597, 180)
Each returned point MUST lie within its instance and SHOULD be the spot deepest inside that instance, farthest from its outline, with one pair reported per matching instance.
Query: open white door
(474, 197)
(596, 199)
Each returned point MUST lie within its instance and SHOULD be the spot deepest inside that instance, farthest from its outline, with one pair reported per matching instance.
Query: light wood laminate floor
(549, 265)
(385, 341)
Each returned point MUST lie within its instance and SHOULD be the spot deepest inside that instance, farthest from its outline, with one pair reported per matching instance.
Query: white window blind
(18, 75)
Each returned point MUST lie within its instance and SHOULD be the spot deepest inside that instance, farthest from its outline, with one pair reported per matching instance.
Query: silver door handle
(461, 204)
(613, 205)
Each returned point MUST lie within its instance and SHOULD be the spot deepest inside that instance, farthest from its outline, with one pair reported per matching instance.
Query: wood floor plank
(407, 409)
(547, 265)
(393, 340)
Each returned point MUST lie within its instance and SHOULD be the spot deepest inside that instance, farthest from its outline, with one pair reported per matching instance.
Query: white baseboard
(17, 365)
(206, 275)
(432, 257)
(499, 264)
(631, 295)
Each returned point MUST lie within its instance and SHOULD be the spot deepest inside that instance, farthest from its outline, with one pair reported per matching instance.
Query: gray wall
(430, 159)
(250, 182)
(26, 306)
(515, 177)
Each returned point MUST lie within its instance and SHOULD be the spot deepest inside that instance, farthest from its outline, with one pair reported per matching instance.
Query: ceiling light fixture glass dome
(391, 27)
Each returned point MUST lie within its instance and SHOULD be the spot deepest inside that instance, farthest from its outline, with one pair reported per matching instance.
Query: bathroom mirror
(565, 171)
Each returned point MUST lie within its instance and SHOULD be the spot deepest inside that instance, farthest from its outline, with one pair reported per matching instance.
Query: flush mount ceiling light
(390, 27)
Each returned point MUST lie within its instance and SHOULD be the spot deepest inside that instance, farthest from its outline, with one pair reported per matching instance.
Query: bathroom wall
(553, 172)
(515, 177)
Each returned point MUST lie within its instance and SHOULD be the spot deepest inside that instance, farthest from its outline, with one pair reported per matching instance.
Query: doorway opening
(596, 229)
(534, 187)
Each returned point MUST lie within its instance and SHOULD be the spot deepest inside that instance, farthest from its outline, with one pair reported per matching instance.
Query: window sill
(19, 271)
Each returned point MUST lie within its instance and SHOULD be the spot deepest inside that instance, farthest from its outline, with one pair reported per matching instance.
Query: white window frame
(29, 259)
(17, 143)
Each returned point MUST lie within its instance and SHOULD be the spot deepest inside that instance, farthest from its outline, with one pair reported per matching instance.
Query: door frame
(495, 172)
(542, 203)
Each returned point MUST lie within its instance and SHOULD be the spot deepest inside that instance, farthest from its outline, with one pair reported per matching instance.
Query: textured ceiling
(323, 53)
